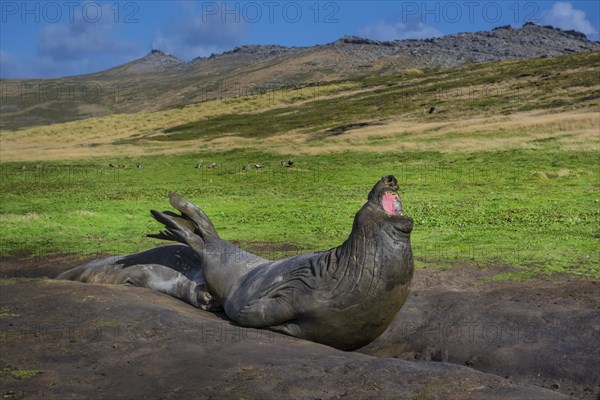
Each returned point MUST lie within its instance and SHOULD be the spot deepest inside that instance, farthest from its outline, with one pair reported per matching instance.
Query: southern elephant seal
(344, 297)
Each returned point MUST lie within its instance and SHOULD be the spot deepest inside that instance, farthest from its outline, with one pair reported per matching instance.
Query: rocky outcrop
(502, 43)
(155, 61)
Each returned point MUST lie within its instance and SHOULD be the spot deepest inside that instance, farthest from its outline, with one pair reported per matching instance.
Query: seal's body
(344, 297)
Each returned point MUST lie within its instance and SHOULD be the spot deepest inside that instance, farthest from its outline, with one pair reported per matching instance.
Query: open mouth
(391, 203)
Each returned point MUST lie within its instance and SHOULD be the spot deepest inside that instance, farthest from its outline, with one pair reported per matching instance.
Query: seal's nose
(390, 181)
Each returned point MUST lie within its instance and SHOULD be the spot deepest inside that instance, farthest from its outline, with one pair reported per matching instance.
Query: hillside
(160, 81)
(522, 103)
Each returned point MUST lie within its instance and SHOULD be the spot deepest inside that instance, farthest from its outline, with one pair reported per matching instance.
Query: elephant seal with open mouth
(344, 297)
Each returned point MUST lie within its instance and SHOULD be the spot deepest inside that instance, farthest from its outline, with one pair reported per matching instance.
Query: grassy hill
(497, 105)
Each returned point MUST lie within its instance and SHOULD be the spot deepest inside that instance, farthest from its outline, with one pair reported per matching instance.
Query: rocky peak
(530, 26)
(157, 52)
(158, 56)
(358, 40)
(154, 61)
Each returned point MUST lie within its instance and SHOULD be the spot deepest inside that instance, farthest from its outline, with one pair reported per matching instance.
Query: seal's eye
(391, 204)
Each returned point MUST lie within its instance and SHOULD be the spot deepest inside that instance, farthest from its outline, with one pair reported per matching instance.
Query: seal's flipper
(176, 225)
(179, 228)
(192, 227)
(168, 281)
(193, 212)
(265, 312)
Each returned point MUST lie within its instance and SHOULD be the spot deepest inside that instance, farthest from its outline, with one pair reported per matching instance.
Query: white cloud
(399, 30)
(195, 35)
(79, 39)
(73, 47)
(563, 15)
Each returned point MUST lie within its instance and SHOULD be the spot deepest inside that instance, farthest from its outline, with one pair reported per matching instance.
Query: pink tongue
(388, 203)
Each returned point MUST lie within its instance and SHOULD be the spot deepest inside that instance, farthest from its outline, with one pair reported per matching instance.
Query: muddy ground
(459, 336)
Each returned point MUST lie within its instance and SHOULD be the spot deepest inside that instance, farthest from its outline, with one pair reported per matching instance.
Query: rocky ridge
(156, 60)
(501, 43)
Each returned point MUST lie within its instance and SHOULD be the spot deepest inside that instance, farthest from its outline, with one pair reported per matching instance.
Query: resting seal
(344, 297)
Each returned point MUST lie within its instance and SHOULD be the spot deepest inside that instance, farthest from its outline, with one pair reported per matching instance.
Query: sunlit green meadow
(537, 210)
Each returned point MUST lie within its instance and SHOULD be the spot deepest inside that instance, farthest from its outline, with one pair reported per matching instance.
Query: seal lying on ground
(344, 297)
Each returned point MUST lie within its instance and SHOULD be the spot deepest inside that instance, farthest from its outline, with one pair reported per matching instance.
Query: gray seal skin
(172, 269)
(344, 297)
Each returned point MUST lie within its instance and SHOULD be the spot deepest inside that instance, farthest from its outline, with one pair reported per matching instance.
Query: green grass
(109, 323)
(538, 210)
(22, 373)
(12, 281)
(5, 313)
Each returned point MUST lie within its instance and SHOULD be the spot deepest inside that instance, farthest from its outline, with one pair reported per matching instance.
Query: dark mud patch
(35, 266)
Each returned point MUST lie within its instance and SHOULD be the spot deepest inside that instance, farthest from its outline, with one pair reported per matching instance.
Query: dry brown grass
(573, 130)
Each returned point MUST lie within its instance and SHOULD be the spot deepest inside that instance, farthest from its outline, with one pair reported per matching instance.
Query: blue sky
(41, 39)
